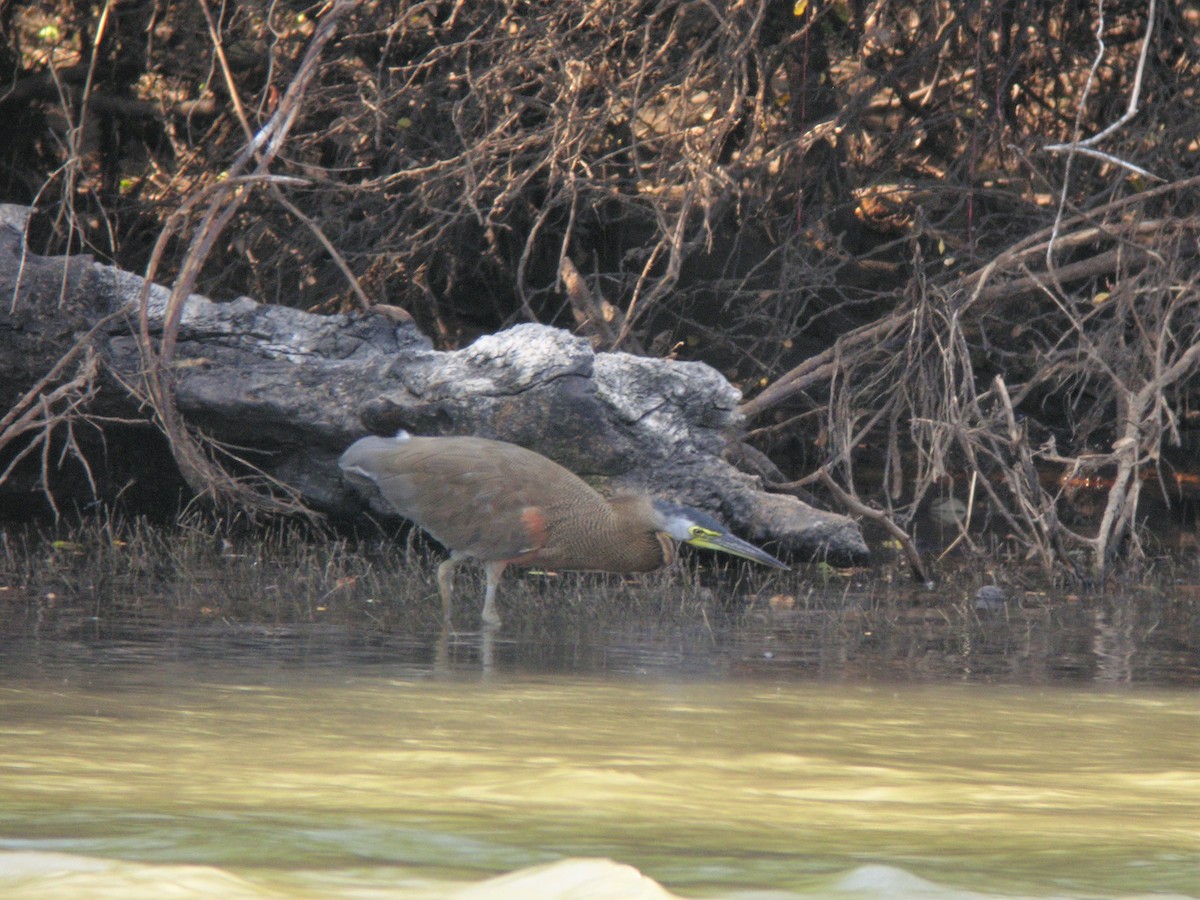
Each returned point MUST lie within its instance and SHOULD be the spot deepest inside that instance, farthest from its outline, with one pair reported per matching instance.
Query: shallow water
(312, 764)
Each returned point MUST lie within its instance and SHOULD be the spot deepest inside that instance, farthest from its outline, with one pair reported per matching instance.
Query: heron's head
(690, 526)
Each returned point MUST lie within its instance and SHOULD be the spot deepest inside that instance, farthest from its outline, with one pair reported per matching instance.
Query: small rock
(989, 598)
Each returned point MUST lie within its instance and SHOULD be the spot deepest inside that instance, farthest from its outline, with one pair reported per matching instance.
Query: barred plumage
(502, 504)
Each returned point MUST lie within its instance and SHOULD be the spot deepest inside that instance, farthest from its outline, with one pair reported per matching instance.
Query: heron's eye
(697, 532)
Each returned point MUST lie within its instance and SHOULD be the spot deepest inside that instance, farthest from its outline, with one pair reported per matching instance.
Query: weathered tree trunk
(290, 390)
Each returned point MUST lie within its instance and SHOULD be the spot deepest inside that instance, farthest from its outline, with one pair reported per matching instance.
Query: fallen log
(288, 391)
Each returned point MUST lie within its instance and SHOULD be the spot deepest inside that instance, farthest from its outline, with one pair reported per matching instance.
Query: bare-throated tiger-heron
(504, 505)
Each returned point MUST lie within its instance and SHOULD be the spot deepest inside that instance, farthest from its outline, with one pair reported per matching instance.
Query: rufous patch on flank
(533, 520)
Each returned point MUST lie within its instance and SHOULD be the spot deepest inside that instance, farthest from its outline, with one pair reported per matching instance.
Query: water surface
(317, 765)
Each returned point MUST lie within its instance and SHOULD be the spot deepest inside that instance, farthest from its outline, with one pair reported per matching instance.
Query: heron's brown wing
(492, 500)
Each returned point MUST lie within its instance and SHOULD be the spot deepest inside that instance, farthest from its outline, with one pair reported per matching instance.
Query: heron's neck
(617, 538)
(625, 541)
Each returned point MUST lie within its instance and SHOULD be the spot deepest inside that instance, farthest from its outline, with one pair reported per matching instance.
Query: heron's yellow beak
(727, 543)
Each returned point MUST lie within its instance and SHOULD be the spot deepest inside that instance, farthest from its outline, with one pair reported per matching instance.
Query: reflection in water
(486, 648)
(317, 764)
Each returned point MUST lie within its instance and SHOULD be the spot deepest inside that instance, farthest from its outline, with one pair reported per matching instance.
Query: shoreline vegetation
(108, 579)
(945, 251)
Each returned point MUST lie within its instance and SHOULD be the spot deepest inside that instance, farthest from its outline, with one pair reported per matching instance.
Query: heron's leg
(446, 583)
(494, 570)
